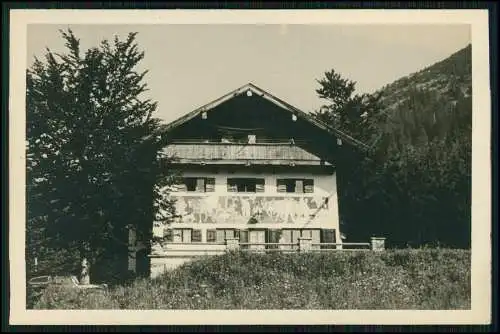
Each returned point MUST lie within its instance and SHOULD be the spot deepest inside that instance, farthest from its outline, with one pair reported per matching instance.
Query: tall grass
(399, 279)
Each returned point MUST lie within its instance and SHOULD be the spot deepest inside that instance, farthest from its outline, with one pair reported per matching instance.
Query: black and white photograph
(280, 161)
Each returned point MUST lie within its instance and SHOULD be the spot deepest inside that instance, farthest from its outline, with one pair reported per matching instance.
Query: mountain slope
(449, 77)
(434, 103)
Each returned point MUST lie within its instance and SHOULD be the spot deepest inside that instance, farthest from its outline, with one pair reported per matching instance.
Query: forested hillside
(434, 102)
(414, 183)
(444, 77)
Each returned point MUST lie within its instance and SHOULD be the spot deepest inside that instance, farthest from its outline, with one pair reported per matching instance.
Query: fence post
(377, 243)
(305, 244)
(232, 244)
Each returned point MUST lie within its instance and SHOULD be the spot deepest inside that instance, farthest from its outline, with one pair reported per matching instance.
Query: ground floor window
(293, 235)
(220, 235)
(255, 236)
(182, 235)
(179, 235)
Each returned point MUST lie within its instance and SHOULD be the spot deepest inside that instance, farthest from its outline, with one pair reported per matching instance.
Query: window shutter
(316, 238)
(281, 185)
(231, 185)
(211, 236)
(210, 185)
(296, 235)
(259, 185)
(299, 186)
(196, 236)
(328, 236)
(168, 234)
(309, 186)
(273, 236)
(220, 235)
(200, 185)
(186, 236)
(243, 237)
(229, 234)
(287, 238)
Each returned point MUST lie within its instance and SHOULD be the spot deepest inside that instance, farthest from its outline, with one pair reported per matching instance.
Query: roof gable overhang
(253, 89)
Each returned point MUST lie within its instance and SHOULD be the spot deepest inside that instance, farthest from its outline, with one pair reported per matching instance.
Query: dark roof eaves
(333, 131)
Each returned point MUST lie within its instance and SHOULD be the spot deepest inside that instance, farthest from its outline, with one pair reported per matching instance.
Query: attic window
(249, 93)
(294, 117)
(204, 115)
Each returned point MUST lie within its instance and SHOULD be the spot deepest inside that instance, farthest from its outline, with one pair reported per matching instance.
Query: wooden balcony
(238, 153)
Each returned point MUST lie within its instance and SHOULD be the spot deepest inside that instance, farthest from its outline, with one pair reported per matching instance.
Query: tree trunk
(85, 272)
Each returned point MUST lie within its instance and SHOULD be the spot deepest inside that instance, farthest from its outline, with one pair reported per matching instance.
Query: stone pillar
(305, 244)
(232, 244)
(378, 243)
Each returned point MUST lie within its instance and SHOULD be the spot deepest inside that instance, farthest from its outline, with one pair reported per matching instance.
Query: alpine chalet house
(254, 170)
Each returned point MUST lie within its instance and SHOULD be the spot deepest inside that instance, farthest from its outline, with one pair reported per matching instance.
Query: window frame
(193, 181)
(198, 231)
(301, 235)
(258, 184)
(182, 235)
(235, 233)
(287, 183)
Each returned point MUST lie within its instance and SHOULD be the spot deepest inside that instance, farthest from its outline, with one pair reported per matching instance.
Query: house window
(198, 184)
(182, 235)
(293, 235)
(223, 234)
(196, 236)
(178, 235)
(220, 235)
(295, 185)
(245, 185)
(211, 236)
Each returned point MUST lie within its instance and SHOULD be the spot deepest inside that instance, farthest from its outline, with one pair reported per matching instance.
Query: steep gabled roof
(273, 99)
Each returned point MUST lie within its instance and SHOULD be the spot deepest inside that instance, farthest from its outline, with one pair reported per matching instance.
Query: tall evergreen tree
(413, 185)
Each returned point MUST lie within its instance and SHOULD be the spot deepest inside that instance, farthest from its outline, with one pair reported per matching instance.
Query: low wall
(174, 255)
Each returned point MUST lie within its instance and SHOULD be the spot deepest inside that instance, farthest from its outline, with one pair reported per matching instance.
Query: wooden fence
(303, 245)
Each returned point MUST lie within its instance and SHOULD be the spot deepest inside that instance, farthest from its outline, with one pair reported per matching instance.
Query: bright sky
(190, 65)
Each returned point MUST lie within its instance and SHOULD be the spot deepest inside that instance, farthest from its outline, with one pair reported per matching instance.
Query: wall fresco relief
(240, 209)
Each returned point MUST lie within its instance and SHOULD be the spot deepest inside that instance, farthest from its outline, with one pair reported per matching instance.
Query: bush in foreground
(399, 279)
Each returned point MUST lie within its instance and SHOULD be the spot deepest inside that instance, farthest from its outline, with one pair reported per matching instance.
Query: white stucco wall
(325, 186)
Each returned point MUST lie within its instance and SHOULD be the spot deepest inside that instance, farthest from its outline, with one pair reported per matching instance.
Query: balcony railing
(274, 152)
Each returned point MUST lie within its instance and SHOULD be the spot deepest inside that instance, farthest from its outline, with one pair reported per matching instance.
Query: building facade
(253, 168)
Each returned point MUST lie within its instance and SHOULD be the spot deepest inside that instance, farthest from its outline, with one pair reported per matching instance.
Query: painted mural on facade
(241, 209)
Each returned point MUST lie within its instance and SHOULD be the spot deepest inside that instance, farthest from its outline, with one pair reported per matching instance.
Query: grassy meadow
(420, 279)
